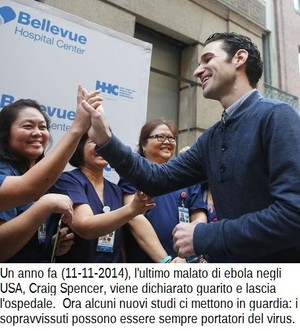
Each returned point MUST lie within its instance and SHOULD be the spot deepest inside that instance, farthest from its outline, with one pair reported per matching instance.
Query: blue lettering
(71, 115)
(107, 88)
(36, 24)
(82, 39)
(46, 25)
(65, 114)
(61, 113)
(24, 18)
(55, 29)
(64, 33)
(73, 36)
(6, 100)
(49, 110)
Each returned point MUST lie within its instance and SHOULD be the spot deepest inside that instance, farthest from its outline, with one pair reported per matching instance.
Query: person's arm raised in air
(18, 231)
(150, 177)
(17, 190)
(100, 131)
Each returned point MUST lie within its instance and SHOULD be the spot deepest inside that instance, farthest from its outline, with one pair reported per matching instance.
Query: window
(163, 97)
(297, 5)
(267, 59)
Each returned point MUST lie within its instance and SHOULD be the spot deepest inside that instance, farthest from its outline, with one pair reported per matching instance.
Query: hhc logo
(116, 90)
(6, 15)
(107, 88)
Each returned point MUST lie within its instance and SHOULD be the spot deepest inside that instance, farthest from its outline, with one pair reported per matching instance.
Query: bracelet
(192, 259)
(167, 259)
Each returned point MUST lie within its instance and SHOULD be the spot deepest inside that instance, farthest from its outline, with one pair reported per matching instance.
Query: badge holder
(106, 243)
(184, 217)
(42, 233)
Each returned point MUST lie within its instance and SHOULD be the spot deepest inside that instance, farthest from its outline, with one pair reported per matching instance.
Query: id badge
(42, 233)
(183, 215)
(106, 243)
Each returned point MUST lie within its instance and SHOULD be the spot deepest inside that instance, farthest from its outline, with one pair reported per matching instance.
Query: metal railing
(275, 93)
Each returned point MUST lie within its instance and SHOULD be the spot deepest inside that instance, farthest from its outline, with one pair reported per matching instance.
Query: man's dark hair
(232, 42)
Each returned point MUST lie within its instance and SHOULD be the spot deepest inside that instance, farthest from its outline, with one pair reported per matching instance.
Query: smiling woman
(149, 237)
(16, 190)
(29, 134)
(24, 135)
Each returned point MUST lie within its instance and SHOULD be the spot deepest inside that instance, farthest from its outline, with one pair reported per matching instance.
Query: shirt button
(222, 168)
(224, 147)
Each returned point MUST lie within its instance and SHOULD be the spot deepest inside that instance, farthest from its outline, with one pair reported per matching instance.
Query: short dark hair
(148, 128)
(232, 42)
(8, 115)
(77, 159)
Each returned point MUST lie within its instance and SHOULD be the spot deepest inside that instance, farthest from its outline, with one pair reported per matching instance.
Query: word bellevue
(47, 26)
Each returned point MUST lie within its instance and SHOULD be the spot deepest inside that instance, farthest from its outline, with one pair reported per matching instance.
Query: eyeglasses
(161, 138)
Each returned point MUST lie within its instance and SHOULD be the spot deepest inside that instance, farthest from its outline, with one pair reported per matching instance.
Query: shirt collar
(232, 108)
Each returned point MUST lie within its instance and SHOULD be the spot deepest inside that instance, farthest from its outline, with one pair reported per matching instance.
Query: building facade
(177, 30)
(283, 50)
